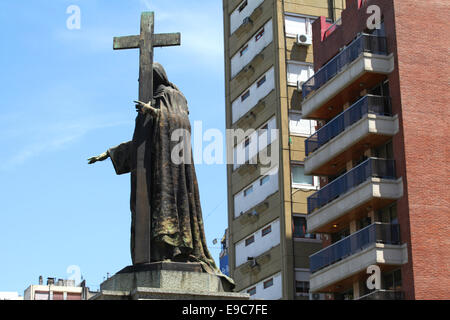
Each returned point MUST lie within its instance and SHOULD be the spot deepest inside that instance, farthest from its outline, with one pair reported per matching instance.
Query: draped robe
(177, 231)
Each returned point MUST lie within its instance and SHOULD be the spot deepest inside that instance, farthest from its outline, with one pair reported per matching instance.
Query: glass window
(298, 25)
(249, 240)
(393, 280)
(268, 283)
(243, 5)
(252, 291)
(264, 180)
(299, 177)
(263, 128)
(247, 142)
(266, 231)
(248, 191)
(259, 35)
(245, 95)
(243, 50)
(299, 226)
(302, 287)
(261, 81)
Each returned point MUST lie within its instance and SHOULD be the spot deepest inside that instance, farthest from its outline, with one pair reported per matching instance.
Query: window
(299, 177)
(263, 129)
(393, 280)
(247, 142)
(299, 226)
(264, 180)
(299, 126)
(302, 287)
(243, 5)
(266, 231)
(252, 291)
(298, 25)
(259, 35)
(248, 191)
(297, 71)
(243, 50)
(249, 240)
(268, 283)
(245, 95)
(261, 81)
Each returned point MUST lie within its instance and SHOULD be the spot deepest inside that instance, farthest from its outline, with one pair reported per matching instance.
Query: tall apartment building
(384, 173)
(268, 53)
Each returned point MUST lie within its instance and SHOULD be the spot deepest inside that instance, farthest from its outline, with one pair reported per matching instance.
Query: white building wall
(260, 245)
(240, 107)
(299, 126)
(272, 293)
(260, 192)
(239, 61)
(297, 24)
(237, 17)
(298, 71)
(257, 142)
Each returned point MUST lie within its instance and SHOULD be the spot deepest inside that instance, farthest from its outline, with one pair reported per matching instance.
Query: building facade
(58, 290)
(268, 54)
(382, 204)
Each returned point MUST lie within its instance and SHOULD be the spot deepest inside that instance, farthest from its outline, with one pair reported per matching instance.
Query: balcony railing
(368, 104)
(372, 167)
(363, 43)
(385, 233)
(383, 295)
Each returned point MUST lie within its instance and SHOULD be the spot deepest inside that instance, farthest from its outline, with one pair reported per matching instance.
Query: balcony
(364, 63)
(383, 295)
(375, 233)
(370, 185)
(347, 259)
(367, 123)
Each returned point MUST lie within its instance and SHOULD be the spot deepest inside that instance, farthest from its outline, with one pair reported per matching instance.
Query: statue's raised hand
(145, 108)
(103, 156)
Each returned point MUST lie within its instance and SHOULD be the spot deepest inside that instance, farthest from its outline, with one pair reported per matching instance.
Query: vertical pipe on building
(289, 145)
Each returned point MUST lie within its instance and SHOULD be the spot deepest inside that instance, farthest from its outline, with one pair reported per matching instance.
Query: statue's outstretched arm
(101, 157)
(144, 108)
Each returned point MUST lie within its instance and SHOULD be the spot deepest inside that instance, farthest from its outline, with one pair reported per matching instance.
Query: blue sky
(65, 95)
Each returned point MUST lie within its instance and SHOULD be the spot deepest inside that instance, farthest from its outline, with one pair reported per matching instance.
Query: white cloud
(53, 138)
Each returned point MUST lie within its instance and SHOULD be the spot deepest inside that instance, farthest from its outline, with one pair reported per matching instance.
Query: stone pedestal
(167, 281)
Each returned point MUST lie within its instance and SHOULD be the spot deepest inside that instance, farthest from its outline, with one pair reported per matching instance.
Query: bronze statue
(172, 229)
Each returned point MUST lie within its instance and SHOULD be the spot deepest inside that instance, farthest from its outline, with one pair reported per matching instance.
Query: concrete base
(166, 281)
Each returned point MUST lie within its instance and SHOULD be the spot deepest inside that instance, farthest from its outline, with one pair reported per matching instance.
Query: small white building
(58, 290)
(10, 296)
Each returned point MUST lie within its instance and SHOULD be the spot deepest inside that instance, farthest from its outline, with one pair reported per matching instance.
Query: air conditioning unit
(247, 20)
(304, 40)
(315, 296)
(300, 86)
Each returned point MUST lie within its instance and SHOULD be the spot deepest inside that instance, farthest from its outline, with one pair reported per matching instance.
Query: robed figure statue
(176, 233)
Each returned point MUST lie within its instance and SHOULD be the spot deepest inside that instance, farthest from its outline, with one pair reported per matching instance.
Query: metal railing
(372, 167)
(378, 232)
(368, 104)
(383, 295)
(363, 43)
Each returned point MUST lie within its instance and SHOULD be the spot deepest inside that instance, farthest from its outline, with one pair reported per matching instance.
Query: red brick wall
(417, 35)
(422, 50)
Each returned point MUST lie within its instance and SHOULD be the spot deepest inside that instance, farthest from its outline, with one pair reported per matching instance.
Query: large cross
(145, 42)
